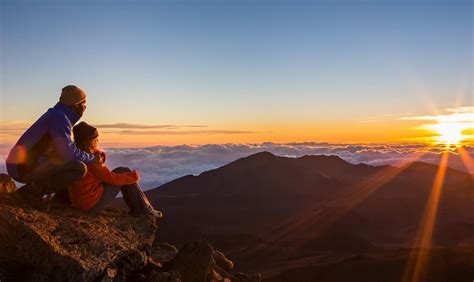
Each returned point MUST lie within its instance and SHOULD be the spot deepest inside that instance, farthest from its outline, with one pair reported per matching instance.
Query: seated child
(99, 187)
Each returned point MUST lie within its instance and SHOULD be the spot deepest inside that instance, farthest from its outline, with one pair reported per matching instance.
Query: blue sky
(240, 65)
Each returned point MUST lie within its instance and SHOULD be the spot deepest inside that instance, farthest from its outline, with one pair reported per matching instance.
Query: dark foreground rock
(63, 244)
(6, 184)
(198, 261)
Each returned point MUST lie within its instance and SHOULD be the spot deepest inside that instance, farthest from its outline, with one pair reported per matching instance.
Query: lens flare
(17, 155)
(416, 269)
(449, 133)
(450, 130)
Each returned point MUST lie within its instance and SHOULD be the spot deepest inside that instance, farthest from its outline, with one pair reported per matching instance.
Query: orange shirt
(86, 192)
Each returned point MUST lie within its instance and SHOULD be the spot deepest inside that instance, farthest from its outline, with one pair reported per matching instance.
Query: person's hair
(84, 145)
(83, 135)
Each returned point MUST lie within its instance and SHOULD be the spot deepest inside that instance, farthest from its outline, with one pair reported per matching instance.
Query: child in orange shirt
(100, 186)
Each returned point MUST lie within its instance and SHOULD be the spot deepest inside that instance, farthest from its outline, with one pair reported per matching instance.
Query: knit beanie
(72, 95)
(84, 132)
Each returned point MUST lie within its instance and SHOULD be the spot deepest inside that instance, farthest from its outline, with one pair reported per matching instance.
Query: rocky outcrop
(196, 261)
(199, 261)
(6, 184)
(63, 244)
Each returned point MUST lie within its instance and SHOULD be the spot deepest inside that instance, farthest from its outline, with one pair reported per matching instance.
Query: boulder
(243, 277)
(194, 262)
(223, 262)
(7, 185)
(66, 244)
(199, 262)
(163, 252)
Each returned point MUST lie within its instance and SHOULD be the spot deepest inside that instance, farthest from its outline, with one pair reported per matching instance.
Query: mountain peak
(253, 159)
(427, 167)
(263, 154)
(323, 157)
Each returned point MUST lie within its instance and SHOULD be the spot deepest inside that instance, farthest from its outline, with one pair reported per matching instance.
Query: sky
(198, 72)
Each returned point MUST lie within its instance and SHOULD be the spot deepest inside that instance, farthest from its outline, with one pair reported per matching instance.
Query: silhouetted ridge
(261, 155)
(265, 174)
(256, 159)
(427, 172)
(332, 158)
(420, 166)
(302, 213)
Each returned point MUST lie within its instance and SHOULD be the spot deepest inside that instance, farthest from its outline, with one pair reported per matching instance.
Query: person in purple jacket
(45, 157)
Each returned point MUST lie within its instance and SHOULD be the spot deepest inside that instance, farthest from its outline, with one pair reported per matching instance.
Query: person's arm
(60, 130)
(103, 173)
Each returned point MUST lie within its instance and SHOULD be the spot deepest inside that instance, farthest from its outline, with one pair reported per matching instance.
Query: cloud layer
(160, 164)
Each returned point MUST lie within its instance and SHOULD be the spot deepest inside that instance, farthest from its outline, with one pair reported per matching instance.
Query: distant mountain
(256, 192)
(276, 214)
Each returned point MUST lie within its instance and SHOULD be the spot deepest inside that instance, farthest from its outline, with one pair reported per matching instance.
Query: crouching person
(45, 158)
(100, 186)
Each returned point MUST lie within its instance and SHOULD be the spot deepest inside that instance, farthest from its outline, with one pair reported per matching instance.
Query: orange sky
(377, 130)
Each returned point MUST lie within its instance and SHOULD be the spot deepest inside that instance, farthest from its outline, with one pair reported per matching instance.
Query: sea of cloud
(160, 164)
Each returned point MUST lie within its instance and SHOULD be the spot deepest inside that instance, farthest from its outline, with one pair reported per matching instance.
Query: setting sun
(449, 133)
(451, 129)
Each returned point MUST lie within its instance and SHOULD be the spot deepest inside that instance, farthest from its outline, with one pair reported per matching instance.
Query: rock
(67, 244)
(162, 277)
(130, 260)
(64, 244)
(242, 277)
(6, 184)
(163, 252)
(223, 262)
(110, 275)
(194, 262)
(199, 262)
(220, 273)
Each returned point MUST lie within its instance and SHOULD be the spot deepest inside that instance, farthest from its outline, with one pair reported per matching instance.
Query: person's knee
(122, 169)
(78, 168)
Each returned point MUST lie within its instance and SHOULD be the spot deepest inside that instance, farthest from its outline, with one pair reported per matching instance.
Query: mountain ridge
(264, 209)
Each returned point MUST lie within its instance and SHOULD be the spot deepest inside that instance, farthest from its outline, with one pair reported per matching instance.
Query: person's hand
(136, 173)
(99, 157)
(102, 154)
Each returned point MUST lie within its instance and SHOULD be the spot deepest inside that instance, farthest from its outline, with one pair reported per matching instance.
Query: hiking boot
(28, 194)
(149, 212)
(155, 213)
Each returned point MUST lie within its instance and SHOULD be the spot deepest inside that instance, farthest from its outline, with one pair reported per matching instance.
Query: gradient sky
(238, 71)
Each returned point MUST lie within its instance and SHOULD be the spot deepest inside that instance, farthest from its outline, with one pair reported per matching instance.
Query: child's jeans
(133, 196)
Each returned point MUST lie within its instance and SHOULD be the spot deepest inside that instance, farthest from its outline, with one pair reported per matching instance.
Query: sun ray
(419, 257)
(449, 130)
(325, 216)
(466, 159)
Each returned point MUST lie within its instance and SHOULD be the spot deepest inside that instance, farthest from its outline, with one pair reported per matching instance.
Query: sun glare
(449, 133)
(451, 130)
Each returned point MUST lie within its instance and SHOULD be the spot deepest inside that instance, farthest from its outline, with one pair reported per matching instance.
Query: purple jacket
(49, 135)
